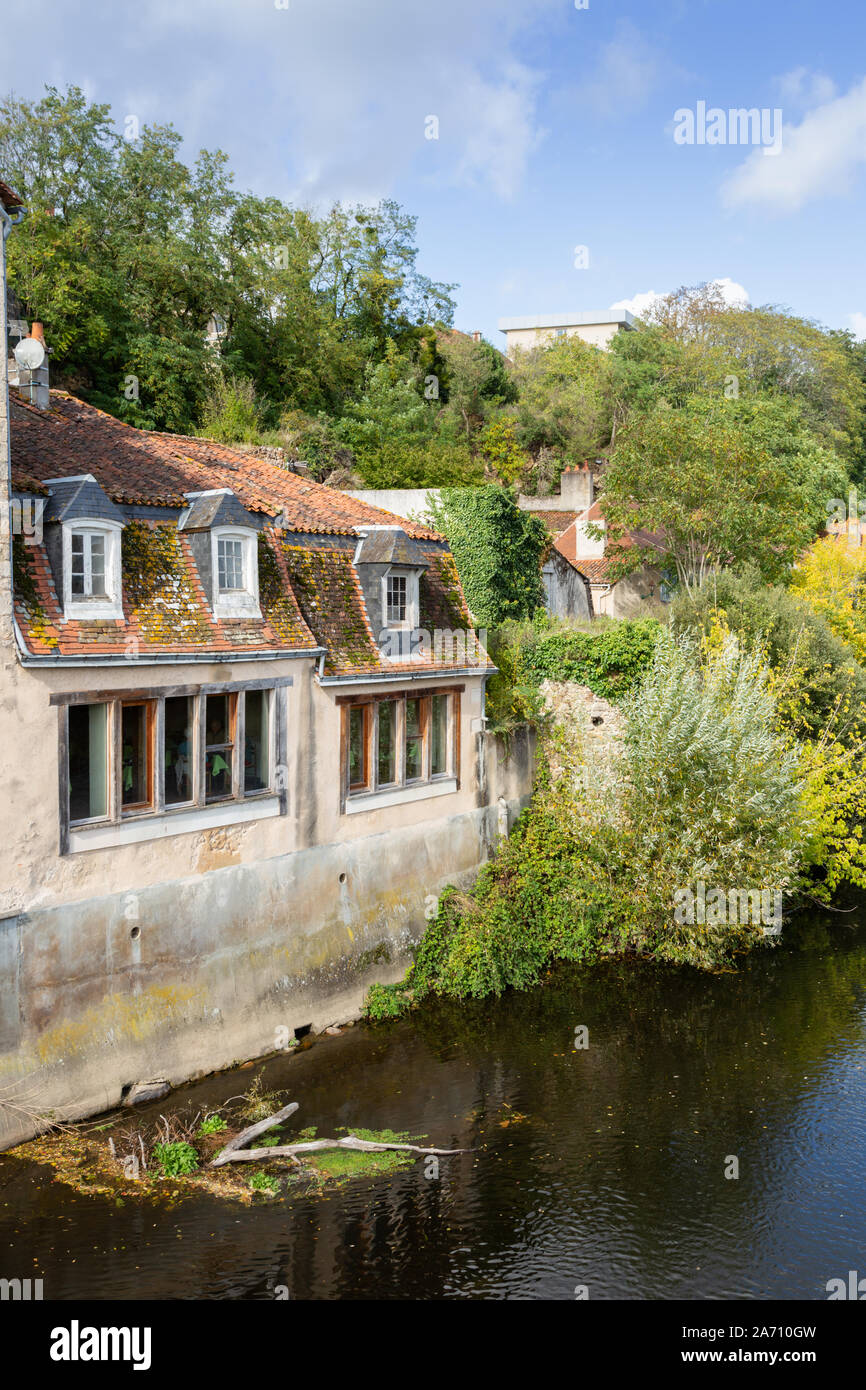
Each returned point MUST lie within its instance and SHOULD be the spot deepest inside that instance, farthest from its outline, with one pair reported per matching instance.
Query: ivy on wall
(498, 550)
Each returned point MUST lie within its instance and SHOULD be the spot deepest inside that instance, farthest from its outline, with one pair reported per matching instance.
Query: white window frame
(236, 603)
(109, 605)
(412, 577)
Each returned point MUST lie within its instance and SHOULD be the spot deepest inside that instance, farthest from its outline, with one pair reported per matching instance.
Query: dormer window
(225, 548)
(235, 568)
(91, 570)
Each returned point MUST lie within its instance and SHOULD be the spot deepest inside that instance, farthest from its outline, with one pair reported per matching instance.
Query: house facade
(244, 749)
(540, 330)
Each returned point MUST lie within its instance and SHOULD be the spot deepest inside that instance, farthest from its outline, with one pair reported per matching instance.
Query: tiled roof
(332, 603)
(145, 467)
(309, 592)
(165, 607)
(9, 198)
(556, 521)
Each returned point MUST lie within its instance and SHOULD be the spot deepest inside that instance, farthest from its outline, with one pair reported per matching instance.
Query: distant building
(538, 330)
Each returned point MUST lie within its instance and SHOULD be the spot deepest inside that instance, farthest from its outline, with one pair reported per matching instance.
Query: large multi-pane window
(132, 757)
(404, 740)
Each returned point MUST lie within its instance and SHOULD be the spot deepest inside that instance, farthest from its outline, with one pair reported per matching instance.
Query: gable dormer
(224, 544)
(389, 565)
(82, 529)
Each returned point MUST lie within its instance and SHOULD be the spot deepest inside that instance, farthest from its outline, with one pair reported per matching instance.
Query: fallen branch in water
(316, 1145)
(253, 1132)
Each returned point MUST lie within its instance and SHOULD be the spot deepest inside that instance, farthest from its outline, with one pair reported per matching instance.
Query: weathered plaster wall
(178, 977)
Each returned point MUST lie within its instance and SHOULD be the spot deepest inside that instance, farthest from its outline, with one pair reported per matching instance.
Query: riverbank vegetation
(186, 1152)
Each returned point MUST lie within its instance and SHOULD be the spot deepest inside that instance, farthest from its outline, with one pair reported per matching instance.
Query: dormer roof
(217, 507)
(389, 545)
(79, 498)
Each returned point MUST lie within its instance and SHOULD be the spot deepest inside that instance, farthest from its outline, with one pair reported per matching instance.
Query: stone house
(244, 749)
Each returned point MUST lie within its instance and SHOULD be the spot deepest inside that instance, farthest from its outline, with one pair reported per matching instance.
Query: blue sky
(555, 130)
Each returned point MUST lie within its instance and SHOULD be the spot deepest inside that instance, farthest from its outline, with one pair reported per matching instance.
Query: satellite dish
(29, 353)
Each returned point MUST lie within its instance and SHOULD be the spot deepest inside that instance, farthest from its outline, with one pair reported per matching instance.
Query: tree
(564, 398)
(478, 380)
(716, 483)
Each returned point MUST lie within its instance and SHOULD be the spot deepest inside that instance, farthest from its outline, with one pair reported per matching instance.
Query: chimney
(476, 336)
(33, 381)
(576, 487)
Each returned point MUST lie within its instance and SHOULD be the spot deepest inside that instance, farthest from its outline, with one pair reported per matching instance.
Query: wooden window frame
(154, 702)
(370, 705)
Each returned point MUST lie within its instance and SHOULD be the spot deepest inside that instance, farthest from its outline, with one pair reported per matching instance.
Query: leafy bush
(385, 1002)
(701, 786)
(419, 463)
(212, 1124)
(258, 1103)
(263, 1182)
(232, 412)
(176, 1158)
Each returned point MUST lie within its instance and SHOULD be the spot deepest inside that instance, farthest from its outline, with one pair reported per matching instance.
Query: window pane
(396, 596)
(88, 761)
(387, 755)
(177, 750)
(77, 571)
(438, 735)
(414, 744)
(357, 747)
(256, 759)
(97, 565)
(230, 563)
(134, 788)
(218, 738)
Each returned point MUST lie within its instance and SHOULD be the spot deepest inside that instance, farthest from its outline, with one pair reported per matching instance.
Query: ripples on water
(602, 1167)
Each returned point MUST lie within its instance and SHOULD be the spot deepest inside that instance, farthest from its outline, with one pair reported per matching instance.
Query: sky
(552, 150)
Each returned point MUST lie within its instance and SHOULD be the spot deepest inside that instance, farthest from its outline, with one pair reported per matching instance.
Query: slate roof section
(144, 467)
(390, 546)
(219, 507)
(75, 498)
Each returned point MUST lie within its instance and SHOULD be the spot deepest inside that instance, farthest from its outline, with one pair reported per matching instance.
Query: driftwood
(315, 1145)
(252, 1132)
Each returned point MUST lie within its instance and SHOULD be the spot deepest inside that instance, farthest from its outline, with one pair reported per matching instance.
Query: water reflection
(602, 1167)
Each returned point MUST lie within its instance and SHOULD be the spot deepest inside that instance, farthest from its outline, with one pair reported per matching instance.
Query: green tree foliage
(497, 548)
(564, 398)
(126, 252)
(715, 483)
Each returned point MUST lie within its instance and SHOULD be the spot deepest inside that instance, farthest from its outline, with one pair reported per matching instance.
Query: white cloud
(819, 157)
(325, 99)
(732, 292)
(804, 89)
(858, 325)
(625, 73)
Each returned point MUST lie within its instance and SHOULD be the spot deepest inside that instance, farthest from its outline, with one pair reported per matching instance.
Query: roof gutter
(161, 658)
(404, 676)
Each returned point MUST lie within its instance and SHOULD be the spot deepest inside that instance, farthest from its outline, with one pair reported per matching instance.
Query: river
(604, 1168)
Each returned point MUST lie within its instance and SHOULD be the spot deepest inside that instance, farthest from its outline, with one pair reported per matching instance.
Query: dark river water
(602, 1166)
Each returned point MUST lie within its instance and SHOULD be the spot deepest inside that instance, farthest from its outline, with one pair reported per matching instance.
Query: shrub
(212, 1124)
(385, 1002)
(263, 1182)
(174, 1159)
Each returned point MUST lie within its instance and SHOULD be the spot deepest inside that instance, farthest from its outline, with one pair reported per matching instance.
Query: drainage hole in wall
(342, 878)
(135, 933)
(302, 1031)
